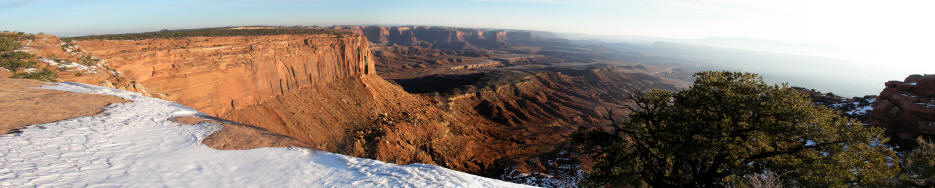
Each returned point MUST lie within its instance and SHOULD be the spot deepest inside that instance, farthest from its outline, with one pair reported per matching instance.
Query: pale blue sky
(882, 32)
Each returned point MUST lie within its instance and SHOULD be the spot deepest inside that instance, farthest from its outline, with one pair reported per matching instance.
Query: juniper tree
(728, 125)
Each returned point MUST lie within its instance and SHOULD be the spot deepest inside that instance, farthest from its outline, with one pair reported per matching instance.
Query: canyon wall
(322, 90)
(446, 37)
(219, 74)
(319, 89)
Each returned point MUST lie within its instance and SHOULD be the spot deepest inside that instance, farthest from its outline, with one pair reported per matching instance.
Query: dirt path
(23, 103)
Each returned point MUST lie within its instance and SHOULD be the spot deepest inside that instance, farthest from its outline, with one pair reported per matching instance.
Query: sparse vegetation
(70, 47)
(42, 75)
(728, 126)
(14, 61)
(11, 59)
(208, 32)
(8, 44)
(16, 36)
(88, 60)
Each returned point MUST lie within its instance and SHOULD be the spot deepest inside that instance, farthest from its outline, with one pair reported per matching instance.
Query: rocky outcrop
(854, 107)
(220, 74)
(907, 109)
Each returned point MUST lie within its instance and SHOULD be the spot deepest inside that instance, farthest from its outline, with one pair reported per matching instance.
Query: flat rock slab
(23, 103)
(233, 136)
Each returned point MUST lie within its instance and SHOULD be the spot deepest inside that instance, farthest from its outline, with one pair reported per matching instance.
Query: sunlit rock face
(220, 74)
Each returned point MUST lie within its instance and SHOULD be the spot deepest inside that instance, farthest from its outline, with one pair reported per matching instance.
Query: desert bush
(14, 61)
(730, 125)
(9, 58)
(42, 75)
(70, 47)
(8, 44)
(17, 36)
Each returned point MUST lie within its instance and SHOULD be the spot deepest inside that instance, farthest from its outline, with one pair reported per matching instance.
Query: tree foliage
(919, 164)
(728, 125)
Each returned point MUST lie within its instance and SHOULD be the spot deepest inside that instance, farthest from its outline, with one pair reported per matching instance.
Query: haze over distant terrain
(777, 62)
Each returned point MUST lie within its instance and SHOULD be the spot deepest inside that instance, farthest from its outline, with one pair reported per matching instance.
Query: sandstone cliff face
(220, 74)
(907, 109)
(319, 89)
(377, 34)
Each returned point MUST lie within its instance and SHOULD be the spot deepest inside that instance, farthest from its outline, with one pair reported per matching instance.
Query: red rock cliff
(907, 109)
(218, 74)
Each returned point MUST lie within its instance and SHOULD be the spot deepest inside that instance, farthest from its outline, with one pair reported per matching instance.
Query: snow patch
(72, 66)
(860, 110)
(134, 144)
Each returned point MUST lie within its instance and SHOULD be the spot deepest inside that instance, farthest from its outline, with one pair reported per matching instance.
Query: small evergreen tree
(728, 125)
(919, 165)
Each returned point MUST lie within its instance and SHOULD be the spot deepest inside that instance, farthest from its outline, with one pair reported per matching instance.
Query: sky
(895, 33)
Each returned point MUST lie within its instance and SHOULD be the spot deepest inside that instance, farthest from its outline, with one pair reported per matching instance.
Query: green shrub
(919, 164)
(8, 45)
(16, 36)
(42, 75)
(731, 125)
(11, 59)
(14, 61)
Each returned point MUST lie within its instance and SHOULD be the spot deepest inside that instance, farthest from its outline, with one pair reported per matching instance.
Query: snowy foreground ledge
(134, 144)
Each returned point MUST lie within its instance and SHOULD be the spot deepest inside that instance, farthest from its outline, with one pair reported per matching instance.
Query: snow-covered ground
(133, 144)
(72, 66)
